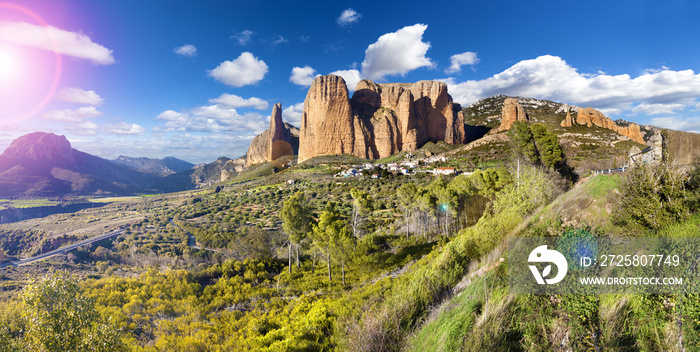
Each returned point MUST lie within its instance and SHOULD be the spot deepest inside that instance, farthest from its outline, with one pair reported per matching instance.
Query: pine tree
(297, 222)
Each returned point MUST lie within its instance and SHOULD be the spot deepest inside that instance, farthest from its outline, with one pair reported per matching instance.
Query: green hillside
(324, 263)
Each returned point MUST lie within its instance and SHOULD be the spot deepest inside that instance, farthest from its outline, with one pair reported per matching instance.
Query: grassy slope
(480, 315)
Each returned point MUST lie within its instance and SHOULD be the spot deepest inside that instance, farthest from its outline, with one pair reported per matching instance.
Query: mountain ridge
(161, 167)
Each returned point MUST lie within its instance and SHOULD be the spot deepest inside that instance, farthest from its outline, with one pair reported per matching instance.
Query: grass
(30, 203)
(589, 203)
(689, 228)
(115, 199)
(445, 329)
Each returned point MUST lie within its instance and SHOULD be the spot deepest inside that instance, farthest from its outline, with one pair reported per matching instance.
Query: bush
(652, 197)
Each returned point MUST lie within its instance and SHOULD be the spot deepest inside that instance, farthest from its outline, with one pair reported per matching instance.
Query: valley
(343, 252)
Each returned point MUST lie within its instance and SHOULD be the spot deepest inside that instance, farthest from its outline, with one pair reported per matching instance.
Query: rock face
(592, 117)
(41, 147)
(281, 143)
(379, 120)
(512, 112)
(279, 140)
(567, 122)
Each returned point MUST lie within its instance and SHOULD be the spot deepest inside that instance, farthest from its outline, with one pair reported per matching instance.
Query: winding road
(63, 250)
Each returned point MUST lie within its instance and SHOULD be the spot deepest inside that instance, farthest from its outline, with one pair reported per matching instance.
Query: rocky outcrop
(592, 117)
(41, 147)
(379, 120)
(512, 112)
(567, 121)
(259, 149)
(279, 140)
(281, 143)
(327, 124)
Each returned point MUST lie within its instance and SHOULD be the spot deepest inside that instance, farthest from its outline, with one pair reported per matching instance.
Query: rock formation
(41, 147)
(592, 117)
(511, 113)
(279, 140)
(379, 120)
(567, 122)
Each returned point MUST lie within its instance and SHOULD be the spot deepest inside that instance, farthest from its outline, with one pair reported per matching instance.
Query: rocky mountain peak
(512, 112)
(42, 147)
(277, 141)
(379, 120)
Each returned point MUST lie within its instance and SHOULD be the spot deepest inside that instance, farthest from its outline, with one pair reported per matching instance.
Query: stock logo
(543, 255)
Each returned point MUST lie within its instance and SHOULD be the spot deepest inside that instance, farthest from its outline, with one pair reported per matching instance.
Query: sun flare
(10, 65)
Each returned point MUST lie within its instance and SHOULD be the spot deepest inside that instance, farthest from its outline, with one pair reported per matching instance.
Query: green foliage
(332, 237)
(536, 144)
(550, 152)
(523, 141)
(296, 215)
(652, 197)
(253, 243)
(490, 181)
(59, 317)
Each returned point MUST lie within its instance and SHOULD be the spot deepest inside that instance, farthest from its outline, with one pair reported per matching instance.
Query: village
(407, 167)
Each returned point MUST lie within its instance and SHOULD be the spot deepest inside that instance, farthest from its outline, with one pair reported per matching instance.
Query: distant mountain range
(160, 167)
(45, 165)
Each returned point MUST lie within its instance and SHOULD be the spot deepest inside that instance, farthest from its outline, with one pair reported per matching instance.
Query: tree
(407, 194)
(446, 200)
(462, 186)
(522, 142)
(343, 247)
(361, 203)
(60, 318)
(329, 232)
(550, 152)
(426, 203)
(297, 222)
(253, 242)
(653, 197)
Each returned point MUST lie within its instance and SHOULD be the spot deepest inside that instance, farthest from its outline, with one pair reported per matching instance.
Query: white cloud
(550, 77)
(187, 50)
(87, 128)
(349, 16)
(303, 76)
(292, 114)
(675, 123)
(459, 60)
(79, 96)
(124, 128)
(51, 38)
(234, 101)
(212, 119)
(245, 70)
(657, 109)
(72, 115)
(243, 38)
(279, 40)
(195, 148)
(351, 77)
(396, 53)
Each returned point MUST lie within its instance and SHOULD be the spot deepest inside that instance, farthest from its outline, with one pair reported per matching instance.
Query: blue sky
(198, 79)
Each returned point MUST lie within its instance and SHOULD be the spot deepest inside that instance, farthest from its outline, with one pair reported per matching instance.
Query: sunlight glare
(10, 65)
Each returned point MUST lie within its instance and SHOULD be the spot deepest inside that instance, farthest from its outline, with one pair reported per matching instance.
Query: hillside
(41, 165)
(160, 167)
(45, 165)
(587, 148)
(417, 271)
